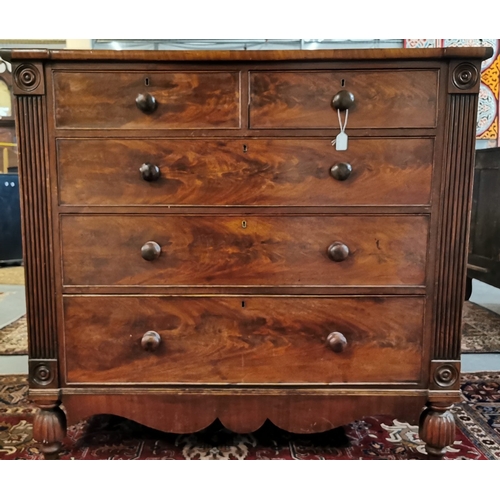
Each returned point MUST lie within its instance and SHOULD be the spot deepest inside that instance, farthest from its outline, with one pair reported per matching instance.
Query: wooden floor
(12, 275)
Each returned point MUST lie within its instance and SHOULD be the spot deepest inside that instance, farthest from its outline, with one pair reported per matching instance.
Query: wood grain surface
(232, 317)
(257, 172)
(384, 99)
(185, 412)
(37, 229)
(369, 55)
(253, 250)
(189, 100)
(456, 201)
(242, 340)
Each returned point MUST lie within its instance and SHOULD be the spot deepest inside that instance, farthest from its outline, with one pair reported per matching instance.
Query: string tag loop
(340, 142)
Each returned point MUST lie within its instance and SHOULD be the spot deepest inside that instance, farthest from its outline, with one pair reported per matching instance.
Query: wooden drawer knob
(341, 171)
(336, 342)
(338, 252)
(150, 250)
(150, 172)
(150, 341)
(146, 102)
(343, 100)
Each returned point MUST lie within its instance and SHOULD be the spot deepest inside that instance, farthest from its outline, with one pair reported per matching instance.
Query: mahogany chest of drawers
(197, 248)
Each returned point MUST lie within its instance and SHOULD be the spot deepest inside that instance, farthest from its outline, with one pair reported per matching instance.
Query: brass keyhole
(244, 224)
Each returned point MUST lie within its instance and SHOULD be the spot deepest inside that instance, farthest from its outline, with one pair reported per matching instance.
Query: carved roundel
(465, 76)
(42, 374)
(445, 375)
(27, 77)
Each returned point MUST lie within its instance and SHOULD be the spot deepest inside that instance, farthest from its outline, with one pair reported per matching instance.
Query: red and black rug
(107, 437)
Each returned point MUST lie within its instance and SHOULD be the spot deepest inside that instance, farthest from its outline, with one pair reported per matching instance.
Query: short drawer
(184, 100)
(265, 172)
(234, 250)
(243, 340)
(383, 98)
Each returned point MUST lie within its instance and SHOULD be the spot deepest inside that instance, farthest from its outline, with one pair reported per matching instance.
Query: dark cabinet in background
(484, 243)
(10, 220)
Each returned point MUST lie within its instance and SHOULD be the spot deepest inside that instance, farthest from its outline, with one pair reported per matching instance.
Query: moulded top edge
(481, 53)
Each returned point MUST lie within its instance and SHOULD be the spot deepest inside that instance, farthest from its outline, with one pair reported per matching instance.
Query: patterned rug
(480, 329)
(480, 332)
(106, 437)
(14, 338)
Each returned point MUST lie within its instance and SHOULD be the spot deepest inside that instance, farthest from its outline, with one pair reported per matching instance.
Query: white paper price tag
(341, 142)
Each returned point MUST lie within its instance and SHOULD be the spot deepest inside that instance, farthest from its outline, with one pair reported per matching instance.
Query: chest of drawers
(196, 248)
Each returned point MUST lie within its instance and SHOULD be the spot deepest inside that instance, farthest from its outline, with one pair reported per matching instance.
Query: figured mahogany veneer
(196, 248)
(302, 99)
(290, 410)
(257, 172)
(242, 340)
(197, 100)
(216, 250)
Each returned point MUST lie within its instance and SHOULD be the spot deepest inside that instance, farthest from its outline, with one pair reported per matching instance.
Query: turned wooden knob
(336, 342)
(341, 171)
(150, 172)
(343, 100)
(338, 252)
(150, 250)
(150, 341)
(146, 102)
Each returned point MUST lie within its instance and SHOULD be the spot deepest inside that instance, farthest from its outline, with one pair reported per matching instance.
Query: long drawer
(242, 340)
(382, 99)
(235, 250)
(258, 172)
(184, 100)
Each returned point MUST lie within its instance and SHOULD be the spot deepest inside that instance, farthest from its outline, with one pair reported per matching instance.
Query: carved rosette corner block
(465, 77)
(445, 375)
(43, 373)
(49, 429)
(437, 428)
(28, 78)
